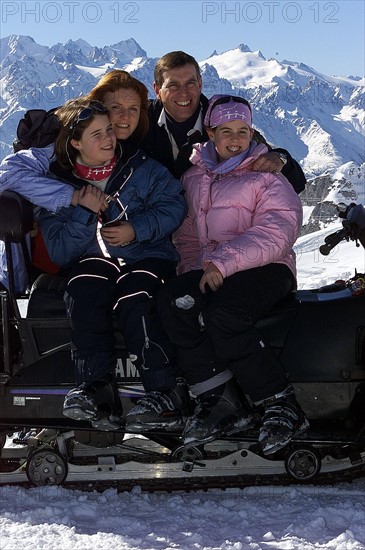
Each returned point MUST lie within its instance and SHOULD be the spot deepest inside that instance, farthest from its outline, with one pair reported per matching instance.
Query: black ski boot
(220, 411)
(160, 410)
(97, 402)
(282, 419)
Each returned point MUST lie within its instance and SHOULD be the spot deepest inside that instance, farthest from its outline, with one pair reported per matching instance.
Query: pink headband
(224, 108)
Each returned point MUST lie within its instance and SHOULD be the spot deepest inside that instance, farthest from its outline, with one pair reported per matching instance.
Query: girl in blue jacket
(116, 242)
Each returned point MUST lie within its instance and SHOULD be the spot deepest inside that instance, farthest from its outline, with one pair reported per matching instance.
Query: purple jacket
(239, 219)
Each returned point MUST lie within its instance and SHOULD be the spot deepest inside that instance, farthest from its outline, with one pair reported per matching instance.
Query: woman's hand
(212, 277)
(92, 198)
(118, 235)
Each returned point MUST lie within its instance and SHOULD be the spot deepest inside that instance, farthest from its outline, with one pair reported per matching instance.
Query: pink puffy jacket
(239, 220)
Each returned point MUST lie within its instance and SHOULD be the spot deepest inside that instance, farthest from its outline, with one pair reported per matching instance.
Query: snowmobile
(318, 334)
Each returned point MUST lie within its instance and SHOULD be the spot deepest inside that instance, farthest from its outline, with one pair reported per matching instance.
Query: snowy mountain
(318, 118)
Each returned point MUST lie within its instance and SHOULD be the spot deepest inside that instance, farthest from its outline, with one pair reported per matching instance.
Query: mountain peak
(129, 47)
(16, 46)
(23, 39)
(244, 48)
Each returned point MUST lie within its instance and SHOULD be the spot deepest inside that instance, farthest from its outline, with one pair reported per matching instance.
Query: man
(176, 121)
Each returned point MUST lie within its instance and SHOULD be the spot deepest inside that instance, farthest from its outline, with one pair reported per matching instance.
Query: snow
(253, 68)
(298, 517)
(96, 72)
(252, 518)
(315, 270)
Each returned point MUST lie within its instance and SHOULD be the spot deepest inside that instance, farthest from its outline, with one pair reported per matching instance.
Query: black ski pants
(99, 288)
(219, 333)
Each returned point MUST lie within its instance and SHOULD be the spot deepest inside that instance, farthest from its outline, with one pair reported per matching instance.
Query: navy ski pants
(99, 288)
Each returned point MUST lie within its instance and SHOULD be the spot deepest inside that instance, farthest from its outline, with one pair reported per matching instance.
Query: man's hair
(173, 60)
(121, 80)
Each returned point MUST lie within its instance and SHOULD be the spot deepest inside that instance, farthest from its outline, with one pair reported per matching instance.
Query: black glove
(356, 215)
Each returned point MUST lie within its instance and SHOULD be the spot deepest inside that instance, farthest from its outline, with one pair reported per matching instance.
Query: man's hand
(212, 277)
(118, 235)
(269, 162)
(356, 214)
(92, 198)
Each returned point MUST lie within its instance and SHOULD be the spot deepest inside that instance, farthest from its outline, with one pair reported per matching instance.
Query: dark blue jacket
(155, 208)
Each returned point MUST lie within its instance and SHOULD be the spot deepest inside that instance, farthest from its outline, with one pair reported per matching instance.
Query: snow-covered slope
(315, 270)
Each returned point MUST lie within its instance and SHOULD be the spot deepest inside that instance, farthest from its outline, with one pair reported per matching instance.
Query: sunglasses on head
(94, 108)
(227, 99)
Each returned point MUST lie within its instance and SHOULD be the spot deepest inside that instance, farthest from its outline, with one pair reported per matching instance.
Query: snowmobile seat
(46, 297)
(16, 221)
(16, 217)
(46, 301)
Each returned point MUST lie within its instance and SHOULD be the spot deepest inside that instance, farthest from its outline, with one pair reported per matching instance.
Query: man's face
(180, 92)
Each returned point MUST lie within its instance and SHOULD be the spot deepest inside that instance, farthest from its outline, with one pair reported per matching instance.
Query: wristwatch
(282, 157)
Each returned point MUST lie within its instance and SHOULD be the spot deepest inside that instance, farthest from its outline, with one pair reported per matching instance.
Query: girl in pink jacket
(236, 263)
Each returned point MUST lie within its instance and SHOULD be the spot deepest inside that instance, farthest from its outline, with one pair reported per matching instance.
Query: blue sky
(326, 35)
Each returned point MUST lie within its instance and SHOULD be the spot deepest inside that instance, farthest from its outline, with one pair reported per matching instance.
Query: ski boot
(220, 411)
(282, 419)
(160, 410)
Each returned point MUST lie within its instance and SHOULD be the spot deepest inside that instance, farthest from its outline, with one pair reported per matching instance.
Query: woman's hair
(121, 80)
(75, 116)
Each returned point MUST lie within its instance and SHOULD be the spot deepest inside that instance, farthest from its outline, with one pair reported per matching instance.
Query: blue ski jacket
(145, 194)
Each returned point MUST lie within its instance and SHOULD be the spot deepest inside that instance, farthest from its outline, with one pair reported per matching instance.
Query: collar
(198, 126)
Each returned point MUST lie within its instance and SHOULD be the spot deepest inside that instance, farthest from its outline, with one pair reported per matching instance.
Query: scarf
(95, 173)
(210, 158)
